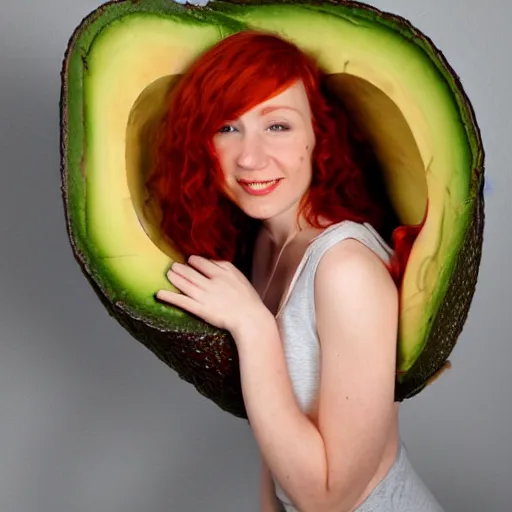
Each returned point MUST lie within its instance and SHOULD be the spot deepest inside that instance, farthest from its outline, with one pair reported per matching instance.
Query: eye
(227, 128)
(279, 127)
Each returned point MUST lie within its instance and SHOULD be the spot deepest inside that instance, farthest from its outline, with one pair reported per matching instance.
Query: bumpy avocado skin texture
(202, 355)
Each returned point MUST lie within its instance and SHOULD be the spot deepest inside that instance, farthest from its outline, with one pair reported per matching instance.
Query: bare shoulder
(357, 268)
(357, 305)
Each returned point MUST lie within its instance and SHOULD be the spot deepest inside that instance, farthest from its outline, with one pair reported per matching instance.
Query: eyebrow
(268, 110)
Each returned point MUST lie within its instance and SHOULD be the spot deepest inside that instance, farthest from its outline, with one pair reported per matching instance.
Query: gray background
(91, 421)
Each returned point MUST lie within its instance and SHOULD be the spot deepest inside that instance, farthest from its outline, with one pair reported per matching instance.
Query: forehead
(294, 97)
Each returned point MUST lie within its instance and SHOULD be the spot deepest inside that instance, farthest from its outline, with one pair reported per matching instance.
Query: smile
(260, 187)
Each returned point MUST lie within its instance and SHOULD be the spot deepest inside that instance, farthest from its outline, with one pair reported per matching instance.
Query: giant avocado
(119, 67)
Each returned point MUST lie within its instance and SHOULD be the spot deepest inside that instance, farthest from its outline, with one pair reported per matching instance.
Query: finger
(179, 300)
(188, 273)
(446, 366)
(184, 284)
(210, 268)
(168, 296)
(224, 264)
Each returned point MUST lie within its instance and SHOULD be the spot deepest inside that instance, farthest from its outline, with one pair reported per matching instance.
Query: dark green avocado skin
(187, 353)
(451, 316)
(209, 359)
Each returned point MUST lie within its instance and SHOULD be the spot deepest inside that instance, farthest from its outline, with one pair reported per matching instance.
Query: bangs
(250, 93)
(244, 70)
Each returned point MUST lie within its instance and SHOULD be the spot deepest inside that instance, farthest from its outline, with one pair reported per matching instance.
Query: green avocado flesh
(120, 64)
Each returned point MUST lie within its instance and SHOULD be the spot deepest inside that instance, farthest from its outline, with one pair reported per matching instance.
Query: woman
(256, 163)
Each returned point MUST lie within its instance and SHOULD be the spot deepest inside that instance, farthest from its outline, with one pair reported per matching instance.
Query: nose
(252, 154)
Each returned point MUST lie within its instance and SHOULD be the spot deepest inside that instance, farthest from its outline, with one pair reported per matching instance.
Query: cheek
(295, 150)
(222, 147)
(222, 155)
(307, 153)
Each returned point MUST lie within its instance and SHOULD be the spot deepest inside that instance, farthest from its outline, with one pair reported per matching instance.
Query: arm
(327, 468)
(289, 442)
(267, 489)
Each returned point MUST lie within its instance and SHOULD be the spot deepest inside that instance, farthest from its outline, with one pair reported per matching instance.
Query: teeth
(260, 186)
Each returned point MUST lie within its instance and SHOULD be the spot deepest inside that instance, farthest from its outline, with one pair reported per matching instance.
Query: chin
(257, 214)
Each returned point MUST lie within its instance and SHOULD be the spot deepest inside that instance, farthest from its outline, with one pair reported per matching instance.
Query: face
(273, 142)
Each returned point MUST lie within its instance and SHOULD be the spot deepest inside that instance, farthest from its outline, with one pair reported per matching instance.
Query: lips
(259, 188)
(247, 182)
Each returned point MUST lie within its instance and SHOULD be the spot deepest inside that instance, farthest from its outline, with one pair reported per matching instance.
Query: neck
(280, 233)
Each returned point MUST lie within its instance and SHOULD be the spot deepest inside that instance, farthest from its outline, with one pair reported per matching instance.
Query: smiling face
(272, 141)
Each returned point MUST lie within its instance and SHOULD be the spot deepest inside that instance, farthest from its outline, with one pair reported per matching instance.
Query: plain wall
(91, 421)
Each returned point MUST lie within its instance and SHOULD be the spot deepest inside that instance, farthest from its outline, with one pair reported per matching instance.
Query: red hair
(186, 180)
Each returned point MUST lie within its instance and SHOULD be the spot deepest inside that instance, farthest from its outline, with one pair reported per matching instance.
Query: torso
(264, 261)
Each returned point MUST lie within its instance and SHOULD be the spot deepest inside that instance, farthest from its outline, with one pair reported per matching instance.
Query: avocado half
(119, 67)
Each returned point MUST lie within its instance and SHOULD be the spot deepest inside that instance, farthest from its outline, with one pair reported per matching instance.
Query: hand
(215, 291)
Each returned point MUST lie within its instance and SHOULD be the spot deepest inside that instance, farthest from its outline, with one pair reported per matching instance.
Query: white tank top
(296, 318)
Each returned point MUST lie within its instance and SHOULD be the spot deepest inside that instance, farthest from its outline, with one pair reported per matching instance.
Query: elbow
(328, 503)
(334, 500)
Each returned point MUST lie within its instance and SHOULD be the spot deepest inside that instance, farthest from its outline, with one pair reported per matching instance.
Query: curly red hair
(186, 180)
